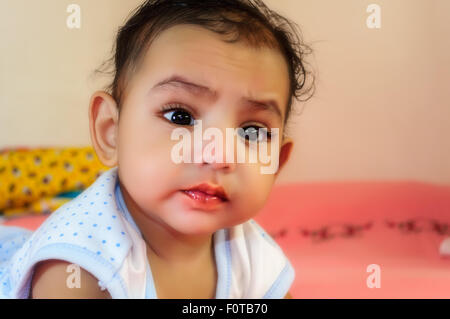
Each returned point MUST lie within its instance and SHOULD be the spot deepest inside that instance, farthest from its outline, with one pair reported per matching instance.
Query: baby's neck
(192, 279)
(178, 250)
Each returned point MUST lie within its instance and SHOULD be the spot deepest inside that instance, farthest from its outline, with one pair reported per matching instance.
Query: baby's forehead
(202, 57)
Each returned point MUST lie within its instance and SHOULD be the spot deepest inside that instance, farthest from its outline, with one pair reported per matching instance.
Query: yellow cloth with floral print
(32, 177)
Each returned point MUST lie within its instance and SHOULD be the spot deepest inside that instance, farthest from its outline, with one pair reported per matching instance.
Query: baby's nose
(219, 155)
(227, 167)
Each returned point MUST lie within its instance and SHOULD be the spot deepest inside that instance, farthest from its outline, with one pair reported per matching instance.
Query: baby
(152, 227)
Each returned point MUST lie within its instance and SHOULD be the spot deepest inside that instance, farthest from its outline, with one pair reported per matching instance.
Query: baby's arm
(50, 282)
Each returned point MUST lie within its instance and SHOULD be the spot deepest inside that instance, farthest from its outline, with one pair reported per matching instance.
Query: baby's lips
(203, 197)
(210, 189)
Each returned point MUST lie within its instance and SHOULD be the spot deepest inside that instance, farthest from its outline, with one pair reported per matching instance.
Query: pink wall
(382, 107)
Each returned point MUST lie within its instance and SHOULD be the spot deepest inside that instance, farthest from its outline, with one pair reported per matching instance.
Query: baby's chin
(181, 215)
(193, 222)
(190, 221)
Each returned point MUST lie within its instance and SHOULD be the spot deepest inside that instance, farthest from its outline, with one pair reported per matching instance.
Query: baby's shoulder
(90, 231)
(93, 238)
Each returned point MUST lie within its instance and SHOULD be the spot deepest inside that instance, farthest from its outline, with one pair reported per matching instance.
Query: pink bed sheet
(332, 232)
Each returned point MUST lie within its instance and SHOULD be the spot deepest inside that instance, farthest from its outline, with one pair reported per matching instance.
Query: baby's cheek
(150, 174)
(254, 191)
(147, 175)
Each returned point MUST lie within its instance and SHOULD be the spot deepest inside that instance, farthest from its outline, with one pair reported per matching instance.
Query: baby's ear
(285, 153)
(103, 125)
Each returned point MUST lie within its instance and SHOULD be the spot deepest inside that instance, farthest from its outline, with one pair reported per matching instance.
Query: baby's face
(144, 145)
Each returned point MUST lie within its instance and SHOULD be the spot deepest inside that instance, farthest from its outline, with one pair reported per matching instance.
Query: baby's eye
(255, 133)
(179, 116)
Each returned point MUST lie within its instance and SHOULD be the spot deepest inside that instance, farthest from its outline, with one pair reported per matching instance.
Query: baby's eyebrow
(178, 81)
(268, 105)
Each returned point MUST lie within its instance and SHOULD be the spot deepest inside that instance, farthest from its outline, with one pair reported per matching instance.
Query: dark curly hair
(250, 21)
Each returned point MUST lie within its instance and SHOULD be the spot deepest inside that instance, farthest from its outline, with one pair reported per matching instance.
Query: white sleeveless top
(96, 231)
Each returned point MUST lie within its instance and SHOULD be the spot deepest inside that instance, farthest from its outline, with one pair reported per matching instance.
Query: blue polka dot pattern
(104, 244)
(12, 239)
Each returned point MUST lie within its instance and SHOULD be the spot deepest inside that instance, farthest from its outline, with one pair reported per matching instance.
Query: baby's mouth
(204, 197)
(206, 192)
